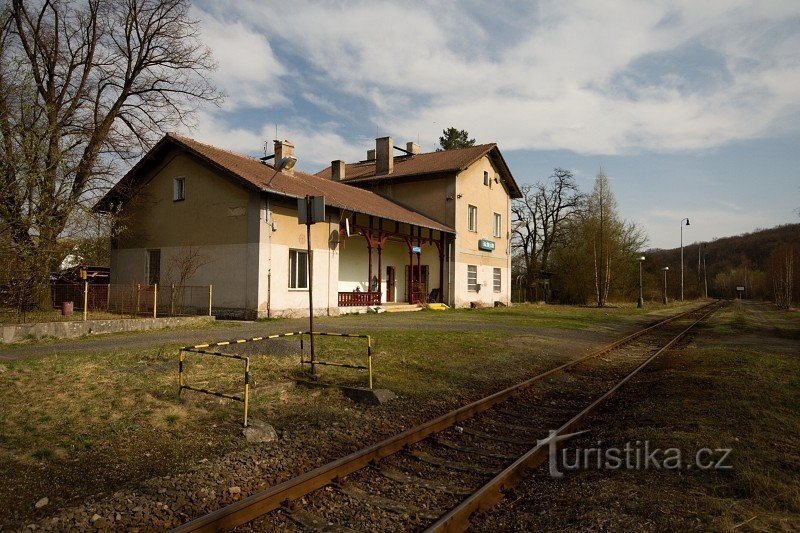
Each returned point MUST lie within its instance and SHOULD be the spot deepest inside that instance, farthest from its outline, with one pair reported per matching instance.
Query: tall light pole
(640, 303)
(687, 223)
(666, 300)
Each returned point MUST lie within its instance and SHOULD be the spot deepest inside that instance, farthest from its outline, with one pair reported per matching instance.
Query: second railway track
(437, 475)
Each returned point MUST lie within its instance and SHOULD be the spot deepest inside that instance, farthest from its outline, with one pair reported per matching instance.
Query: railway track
(439, 474)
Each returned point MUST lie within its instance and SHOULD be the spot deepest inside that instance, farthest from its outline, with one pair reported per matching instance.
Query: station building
(401, 227)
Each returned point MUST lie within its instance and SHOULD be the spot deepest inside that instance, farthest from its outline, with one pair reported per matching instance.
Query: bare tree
(182, 267)
(84, 85)
(539, 218)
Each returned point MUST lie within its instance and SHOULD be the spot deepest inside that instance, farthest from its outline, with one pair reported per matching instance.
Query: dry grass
(78, 424)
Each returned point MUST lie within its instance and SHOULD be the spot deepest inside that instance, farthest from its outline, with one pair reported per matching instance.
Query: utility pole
(687, 223)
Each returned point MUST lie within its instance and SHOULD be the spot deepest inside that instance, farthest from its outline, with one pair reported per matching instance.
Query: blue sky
(692, 108)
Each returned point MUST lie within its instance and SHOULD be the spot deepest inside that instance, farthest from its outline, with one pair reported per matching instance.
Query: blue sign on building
(486, 244)
(416, 249)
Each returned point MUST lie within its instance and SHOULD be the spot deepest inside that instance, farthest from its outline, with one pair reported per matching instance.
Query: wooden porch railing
(351, 299)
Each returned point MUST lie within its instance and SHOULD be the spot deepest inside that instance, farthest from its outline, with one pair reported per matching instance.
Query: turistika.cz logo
(632, 456)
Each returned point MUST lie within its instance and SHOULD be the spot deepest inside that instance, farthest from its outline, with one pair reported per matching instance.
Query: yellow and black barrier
(245, 398)
(368, 367)
(202, 349)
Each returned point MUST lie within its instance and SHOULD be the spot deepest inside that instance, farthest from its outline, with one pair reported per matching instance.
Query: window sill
(298, 290)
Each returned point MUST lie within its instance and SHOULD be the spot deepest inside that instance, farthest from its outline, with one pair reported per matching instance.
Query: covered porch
(388, 262)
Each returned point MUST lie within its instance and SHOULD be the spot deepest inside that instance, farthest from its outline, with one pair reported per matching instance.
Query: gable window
(178, 189)
(153, 267)
(472, 278)
(497, 278)
(298, 269)
(472, 219)
(486, 178)
(498, 225)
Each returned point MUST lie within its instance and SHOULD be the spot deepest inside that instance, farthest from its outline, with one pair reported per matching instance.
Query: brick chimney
(337, 170)
(384, 155)
(283, 149)
(412, 147)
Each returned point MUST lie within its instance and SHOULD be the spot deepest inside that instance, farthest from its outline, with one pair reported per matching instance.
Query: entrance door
(390, 283)
(419, 290)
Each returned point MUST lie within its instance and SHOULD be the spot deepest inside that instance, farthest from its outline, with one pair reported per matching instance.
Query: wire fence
(89, 301)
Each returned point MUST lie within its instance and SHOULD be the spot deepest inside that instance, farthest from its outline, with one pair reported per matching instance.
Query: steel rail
(262, 502)
(492, 492)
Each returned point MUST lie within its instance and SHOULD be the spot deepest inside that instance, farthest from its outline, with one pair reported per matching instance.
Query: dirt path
(224, 330)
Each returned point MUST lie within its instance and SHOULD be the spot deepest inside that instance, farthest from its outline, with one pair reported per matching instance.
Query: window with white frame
(178, 189)
(497, 279)
(498, 225)
(472, 278)
(472, 218)
(298, 269)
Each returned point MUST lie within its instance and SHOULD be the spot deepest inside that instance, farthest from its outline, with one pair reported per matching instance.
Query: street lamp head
(687, 221)
(287, 163)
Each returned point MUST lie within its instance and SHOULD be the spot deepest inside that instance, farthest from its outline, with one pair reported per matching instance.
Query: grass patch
(77, 424)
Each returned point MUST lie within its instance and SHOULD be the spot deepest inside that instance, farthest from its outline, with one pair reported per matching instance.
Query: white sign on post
(740, 288)
(315, 214)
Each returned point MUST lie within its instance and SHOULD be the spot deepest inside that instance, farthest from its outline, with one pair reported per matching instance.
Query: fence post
(246, 388)
(155, 300)
(369, 359)
(210, 294)
(108, 298)
(85, 300)
(172, 300)
(138, 291)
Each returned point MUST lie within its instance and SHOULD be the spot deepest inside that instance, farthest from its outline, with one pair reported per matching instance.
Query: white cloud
(316, 145)
(247, 69)
(418, 66)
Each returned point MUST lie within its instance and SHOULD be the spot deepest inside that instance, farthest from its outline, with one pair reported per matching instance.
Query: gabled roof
(418, 165)
(256, 175)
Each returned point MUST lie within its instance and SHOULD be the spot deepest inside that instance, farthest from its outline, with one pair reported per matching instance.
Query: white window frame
(497, 279)
(497, 225)
(472, 278)
(294, 267)
(178, 189)
(472, 218)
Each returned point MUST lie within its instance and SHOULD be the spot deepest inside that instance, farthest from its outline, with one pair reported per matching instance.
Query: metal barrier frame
(201, 349)
(368, 368)
(245, 398)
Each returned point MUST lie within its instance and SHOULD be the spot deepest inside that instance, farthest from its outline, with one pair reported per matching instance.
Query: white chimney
(337, 170)
(384, 155)
(412, 147)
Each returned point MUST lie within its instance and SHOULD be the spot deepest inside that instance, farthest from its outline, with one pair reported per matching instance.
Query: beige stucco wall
(426, 196)
(470, 190)
(275, 247)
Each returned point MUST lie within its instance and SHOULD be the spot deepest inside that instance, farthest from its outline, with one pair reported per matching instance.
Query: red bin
(67, 308)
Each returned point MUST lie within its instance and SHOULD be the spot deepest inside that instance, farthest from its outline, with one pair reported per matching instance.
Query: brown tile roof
(428, 163)
(257, 175)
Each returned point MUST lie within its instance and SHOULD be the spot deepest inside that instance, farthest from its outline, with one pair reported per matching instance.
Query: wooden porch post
(380, 265)
(419, 256)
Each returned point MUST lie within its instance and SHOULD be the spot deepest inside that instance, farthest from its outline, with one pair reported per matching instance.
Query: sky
(691, 108)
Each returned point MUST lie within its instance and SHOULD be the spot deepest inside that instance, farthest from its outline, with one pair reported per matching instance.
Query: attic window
(178, 189)
(486, 178)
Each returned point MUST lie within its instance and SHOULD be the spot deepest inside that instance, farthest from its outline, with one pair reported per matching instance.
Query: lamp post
(666, 300)
(640, 303)
(687, 223)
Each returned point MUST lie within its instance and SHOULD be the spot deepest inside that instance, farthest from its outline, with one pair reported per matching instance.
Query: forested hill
(754, 260)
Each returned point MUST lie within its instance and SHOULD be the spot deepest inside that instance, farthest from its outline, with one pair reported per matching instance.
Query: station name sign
(486, 244)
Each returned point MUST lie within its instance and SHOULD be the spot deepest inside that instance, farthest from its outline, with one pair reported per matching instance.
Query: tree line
(573, 247)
